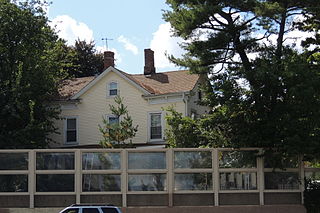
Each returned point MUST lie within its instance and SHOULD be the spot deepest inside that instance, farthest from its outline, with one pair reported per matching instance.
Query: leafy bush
(312, 196)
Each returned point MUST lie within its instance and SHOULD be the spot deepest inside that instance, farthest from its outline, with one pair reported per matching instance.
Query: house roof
(155, 84)
(166, 82)
(70, 87)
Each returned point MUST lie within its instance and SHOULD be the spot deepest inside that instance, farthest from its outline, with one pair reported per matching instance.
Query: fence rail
(153, 177)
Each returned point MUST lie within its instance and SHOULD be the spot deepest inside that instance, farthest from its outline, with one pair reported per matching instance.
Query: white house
(85, 101)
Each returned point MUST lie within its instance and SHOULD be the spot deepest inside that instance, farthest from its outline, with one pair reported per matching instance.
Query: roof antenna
(106, 39)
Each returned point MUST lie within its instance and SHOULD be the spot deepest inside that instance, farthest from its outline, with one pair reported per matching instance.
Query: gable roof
(155, 84)
(70, 87)
(166, 82)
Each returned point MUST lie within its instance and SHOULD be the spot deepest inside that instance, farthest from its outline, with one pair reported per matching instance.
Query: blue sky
(132, 24)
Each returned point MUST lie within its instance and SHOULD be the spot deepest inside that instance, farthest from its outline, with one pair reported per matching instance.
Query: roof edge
(166, 94)
(94, 81)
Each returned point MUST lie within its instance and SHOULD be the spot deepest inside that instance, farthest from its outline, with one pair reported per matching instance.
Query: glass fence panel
(13, 183)
(276, 161)
(147, 182)
(238, 159)
(281, 180)
(193, 181)
(55, 161)
(55, 183)
(101, 182)
(314, 175)
(238, 180)
(14, 161)
(192, 159)
(100, 160)
(147, 160)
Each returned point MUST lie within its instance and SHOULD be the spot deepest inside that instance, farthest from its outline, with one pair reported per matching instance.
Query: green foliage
(65, 57)
(312, 196)
(115, 135)
(182, 131)
(185, 132)
(87, 61)
(80, 60)
(280, 108)
(29, 72)
(270, 100)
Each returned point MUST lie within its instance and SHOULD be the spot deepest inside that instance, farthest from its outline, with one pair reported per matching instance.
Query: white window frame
(108, 89)
(65, 130)
(162, 126)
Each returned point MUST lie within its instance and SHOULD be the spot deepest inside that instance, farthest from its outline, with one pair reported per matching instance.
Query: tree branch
(220, 22)
(240, 48)
(281, 35)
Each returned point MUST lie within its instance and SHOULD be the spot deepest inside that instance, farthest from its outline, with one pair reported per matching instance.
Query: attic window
(113, 89)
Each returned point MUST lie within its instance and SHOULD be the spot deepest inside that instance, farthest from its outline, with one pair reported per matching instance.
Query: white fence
(155, 177)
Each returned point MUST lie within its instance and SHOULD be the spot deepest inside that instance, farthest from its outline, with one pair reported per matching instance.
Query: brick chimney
(108, 59)
(149, 62)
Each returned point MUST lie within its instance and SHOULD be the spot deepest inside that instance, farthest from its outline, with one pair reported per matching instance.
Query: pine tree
(264, 94)
(116, 134)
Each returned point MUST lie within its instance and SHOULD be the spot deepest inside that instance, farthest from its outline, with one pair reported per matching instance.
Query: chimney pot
(108, 59)
(149, 62)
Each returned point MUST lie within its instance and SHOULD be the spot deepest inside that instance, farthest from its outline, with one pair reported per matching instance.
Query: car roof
(93, 205)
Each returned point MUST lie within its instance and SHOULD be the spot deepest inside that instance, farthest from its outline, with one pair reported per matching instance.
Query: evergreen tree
(115, 134)
(263, 94)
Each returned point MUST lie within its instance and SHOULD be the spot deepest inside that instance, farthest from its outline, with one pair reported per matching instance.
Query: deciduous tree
(29, 72)
(86, 59)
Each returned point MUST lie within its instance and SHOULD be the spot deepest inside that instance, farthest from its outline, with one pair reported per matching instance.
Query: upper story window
(112, 119)
(71, 130)
(113, 89)
(199, 95)
(155, 126)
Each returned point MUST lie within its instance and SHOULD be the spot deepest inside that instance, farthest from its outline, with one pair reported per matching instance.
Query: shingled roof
(70, 87)
(166, 82)
(155, 84)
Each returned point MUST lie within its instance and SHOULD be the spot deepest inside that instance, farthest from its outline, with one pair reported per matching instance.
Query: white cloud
(292, 38)
(128, 45)
(163, 43)
(70, 29)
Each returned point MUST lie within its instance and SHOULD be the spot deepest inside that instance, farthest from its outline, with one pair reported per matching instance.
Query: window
(155, 126)
(90, 210)
(199, 95)
(113, 89)
(71, 130)
(112, 119)
(109, 210)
